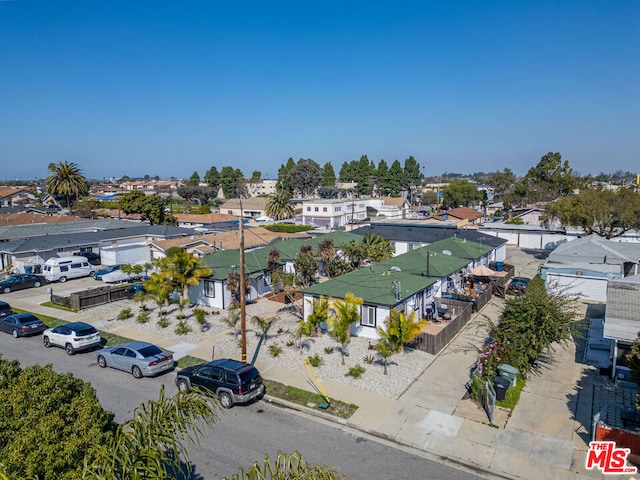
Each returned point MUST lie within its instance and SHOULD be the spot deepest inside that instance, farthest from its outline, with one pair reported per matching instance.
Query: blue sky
(168, 88)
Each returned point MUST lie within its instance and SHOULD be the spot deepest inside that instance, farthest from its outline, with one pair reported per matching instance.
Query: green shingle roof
(415, 262)
(226, 261)
(460, 247)
(375, 287)
(289, 248)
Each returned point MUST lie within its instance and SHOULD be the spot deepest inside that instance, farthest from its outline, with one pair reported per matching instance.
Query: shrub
(182, 328)
(328, 350)
(143, 317)
(368, 359)
(124, 314)
(200, 316)
(291, 342)
(355, 372)
(315, 361)
(163, 322)
(275, 349)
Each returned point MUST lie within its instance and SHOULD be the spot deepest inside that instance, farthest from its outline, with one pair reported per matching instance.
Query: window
(308, 209)
(324, 209)
(64, 268)
(368, 316)
(315, 209)
(338, 209)
(267, 278)
(209, 289)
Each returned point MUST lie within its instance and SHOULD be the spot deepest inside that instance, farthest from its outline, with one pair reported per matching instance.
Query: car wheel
(14, 333)
(7, 290)
(101, 361)
(225, 400)
(63, 279)
(136, 372)
(69, 349)
(183, 385)
(37, 284)
(46, 342)
(92, 274)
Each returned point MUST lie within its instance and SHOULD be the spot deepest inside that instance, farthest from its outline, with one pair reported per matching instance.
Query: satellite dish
(397, 269)
(446, 252)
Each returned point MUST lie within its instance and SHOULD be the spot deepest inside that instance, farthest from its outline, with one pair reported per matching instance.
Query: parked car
(117, 276)
(20, 281)
(232, 381)
(518, 284)
(103, 271)
(94, 258)
(5, 309)
(141, 359)
(22, 324)
(72, 337)
(65, 268)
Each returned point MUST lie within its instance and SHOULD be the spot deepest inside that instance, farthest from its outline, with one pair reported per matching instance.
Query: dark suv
(232, 381)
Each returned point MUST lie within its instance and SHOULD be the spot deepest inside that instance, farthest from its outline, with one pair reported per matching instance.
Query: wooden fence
(95, 296)
(433, 343)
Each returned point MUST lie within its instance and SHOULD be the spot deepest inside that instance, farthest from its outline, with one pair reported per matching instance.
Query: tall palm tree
(182, 269)
(319, 311)
(66, 179)
(344, 314)
(157, 440)
(401, 329)
(279, 205)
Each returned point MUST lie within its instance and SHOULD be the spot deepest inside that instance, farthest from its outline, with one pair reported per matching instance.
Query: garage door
(587, 288)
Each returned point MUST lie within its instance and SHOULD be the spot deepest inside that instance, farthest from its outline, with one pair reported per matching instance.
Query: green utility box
(508, 372)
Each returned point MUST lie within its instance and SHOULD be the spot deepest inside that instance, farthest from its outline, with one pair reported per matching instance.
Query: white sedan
(117, 276)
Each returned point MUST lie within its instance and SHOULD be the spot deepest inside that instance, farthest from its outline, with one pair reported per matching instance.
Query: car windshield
(82, 332)
(149, 351)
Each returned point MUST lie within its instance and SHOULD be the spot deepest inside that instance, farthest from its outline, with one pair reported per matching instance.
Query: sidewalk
(546, 437)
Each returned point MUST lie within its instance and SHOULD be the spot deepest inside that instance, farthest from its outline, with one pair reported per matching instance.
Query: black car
(232, 381)
(21, 281)
(5, 309)
(93, 258)
(22, 324)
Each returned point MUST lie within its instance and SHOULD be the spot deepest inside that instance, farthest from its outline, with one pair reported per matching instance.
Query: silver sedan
(141, 359)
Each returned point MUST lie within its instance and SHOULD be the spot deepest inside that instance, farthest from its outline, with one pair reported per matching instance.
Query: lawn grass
(309, 399)
(188, 360)
(512, 395)
(59, 307)
(48, 321)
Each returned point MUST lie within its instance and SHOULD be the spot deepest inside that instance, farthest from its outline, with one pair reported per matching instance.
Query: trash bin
(500, 385)
(499, 266)
(28, 269)
(508, 372)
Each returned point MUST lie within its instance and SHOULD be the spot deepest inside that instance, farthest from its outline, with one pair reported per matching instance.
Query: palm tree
(157, 440)
(344, 314)
(385, 350)
(319, 311)
(279, 205)
(401, 329)
(264, 325)
(377, 247)
(292, 466)
(66, 179)
(182, 269)
(159, 289)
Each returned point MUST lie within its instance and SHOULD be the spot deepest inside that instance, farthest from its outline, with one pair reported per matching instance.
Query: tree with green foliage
(382, 178)
(377, 247)
(633, 360)
(429, 198)
(305, 177)
(411, 172)
(181, 269)
(66, 180)
(461, 193)
(305, 265)
(337, 266)
(49, 422)
(279, 205)
(552, 177)
(256, 177)
(88, 207)
(194, 180)
(501, 182)
(264, 325)
(199, 195)
(326, 250)
(343, 315)
(232, 182)
(602, 212)
(319, 312)
(155, 443)
(356, 252)
(283, 183)
(212, 178)
(401, 329)
(347, 172)
(328, 175)
(291, 467)
(159, 289)
(151, 208)
(394, 181)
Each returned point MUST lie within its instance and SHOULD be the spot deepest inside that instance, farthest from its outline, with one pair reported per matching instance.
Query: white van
(63, 268)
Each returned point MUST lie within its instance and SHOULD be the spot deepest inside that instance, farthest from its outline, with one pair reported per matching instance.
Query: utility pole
(243, 319)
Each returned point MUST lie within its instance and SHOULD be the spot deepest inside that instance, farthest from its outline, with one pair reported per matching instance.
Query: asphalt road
(246, 433)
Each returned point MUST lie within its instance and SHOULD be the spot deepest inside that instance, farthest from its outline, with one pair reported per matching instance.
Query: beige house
(251, 207)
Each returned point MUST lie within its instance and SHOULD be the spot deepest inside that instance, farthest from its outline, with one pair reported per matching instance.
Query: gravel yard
(402, 368)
